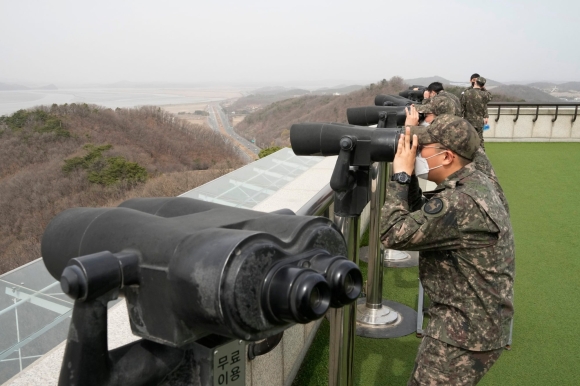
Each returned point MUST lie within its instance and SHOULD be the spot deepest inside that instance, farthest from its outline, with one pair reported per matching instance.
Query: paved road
(212, 120)
(217, 110)
(219, 122)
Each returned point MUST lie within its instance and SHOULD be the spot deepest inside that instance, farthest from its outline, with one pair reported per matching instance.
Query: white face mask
(424, 124)
(422, 167)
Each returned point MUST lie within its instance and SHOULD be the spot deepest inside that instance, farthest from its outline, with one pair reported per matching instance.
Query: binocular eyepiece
(189, 268)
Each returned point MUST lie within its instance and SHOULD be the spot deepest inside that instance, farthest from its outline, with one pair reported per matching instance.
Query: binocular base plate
(393, 259)
(405, 324)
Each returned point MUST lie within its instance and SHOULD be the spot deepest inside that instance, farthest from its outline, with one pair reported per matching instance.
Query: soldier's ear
(449, 157)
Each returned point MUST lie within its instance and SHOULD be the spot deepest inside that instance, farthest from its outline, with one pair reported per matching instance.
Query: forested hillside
(262, 97)
(271, 125)
(54, 158)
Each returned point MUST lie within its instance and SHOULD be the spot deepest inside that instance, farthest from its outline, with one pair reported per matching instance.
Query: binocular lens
(311, 297)
(315, 298)
(297, 295)
(345, 279)
(348, 284)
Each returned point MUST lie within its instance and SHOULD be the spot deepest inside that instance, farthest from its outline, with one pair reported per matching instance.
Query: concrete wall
(524, 129)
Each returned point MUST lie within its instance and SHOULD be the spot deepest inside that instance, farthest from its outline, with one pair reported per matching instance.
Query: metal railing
(537, 105)
(318, 204)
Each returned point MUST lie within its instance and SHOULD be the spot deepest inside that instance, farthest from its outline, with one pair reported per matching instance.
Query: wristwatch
(401, 178)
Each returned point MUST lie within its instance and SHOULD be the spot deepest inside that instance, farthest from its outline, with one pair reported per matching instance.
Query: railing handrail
(537, 105)
(318, 204)
(532, 104)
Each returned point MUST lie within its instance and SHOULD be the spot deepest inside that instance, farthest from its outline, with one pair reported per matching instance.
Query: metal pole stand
(378, 318)
(400, 259)
(350, 185)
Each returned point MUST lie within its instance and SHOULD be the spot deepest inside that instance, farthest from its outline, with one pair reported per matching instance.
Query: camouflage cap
(455, 133)
(437, 105)
(481, 80)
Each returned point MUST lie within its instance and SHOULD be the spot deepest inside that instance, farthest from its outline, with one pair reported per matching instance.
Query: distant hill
(48, 87)
(339, 90)
(496, 97)
(54, 158)
(428, 80)
(565, 86)
(569, 86)
(267, 95)
(270, 126)
(542, 85)
(278, 90)
(529, 94)
(7, 87)
(262, 97)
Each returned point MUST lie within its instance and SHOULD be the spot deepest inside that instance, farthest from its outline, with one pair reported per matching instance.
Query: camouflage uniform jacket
(454, 99)
(474, 106)
(467, 261)
(483, 164)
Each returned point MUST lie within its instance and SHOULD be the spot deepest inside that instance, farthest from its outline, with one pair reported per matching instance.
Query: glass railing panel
(248, 186)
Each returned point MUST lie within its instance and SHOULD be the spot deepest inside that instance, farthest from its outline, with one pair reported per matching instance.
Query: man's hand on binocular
(404, 160)
(412, 116)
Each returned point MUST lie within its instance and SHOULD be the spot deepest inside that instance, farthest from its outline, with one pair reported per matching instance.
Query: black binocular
(190, 268)
(368, 144)
(414, 93)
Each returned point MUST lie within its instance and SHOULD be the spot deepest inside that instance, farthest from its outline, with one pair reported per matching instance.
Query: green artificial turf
(541, 182)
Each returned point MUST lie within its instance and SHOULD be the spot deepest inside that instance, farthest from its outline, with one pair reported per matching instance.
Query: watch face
(402, 177)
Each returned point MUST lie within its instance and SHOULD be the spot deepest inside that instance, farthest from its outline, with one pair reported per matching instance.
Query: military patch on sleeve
(434, 207)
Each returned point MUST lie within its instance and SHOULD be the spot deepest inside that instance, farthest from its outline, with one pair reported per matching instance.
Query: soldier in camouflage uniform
(481, 161)
(455, 100)
(472, 81)
(474, 106)
(467, 264)
(436, 105)
(436, 89)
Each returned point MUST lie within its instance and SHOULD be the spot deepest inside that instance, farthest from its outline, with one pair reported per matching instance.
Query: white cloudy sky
(283, 42)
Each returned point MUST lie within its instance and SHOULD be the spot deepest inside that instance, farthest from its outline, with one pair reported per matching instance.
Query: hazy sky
(291, 41)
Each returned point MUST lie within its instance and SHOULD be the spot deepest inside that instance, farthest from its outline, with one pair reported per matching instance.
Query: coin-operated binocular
(414, 93)
(390, 108)
(358, 147)
(188, 269)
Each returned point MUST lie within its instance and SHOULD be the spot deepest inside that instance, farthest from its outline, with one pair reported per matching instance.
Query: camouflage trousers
(439, 363)
(480, 133)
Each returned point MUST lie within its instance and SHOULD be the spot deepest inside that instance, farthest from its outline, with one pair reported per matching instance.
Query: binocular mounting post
(378, 318)
(350, 185)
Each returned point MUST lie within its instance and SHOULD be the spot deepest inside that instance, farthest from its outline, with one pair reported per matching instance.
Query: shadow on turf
(401, 279)
(396, 364)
